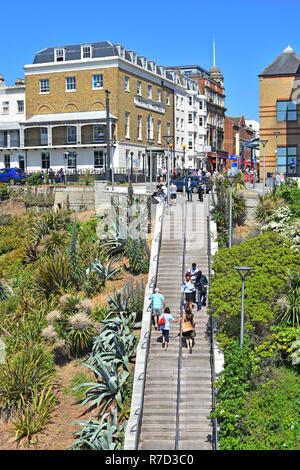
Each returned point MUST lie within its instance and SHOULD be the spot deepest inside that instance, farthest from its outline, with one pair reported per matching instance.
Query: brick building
(66, 107)
(279, 86)
(237, 133)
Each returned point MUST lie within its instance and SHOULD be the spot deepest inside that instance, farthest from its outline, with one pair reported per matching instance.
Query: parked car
(196, 180)
(12, 176)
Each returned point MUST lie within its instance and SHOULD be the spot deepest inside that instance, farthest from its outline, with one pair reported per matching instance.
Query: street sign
(233, 157)
(207, 148)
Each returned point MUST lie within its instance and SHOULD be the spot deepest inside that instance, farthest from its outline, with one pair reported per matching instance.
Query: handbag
(162, 320)
(187, 326)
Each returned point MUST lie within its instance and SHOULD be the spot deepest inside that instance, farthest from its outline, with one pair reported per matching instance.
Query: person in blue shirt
(158, 303)
(189, 290)
(165, 328)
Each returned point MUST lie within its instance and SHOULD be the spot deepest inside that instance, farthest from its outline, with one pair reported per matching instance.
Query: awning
(68, 117)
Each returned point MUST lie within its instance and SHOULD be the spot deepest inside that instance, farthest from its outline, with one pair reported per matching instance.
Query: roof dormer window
(133, 56)
(121, 50)
(86, 52)
(59, 54)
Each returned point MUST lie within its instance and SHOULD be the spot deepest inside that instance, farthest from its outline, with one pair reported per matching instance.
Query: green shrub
(53, 274)
(271, 261)
(4, 192)
(35, 414)
(20, 376)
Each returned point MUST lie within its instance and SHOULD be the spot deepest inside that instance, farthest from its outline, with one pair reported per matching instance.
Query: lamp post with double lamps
(243, 272)
(264, 143)
(107, 167)
(151, 142)
(168, 139)
(231, 179)
(276, 133)
(183, 158)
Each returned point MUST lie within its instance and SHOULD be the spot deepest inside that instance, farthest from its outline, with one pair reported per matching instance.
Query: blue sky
(249, 35)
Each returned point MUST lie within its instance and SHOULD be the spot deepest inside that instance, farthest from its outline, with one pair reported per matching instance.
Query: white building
(12, 112)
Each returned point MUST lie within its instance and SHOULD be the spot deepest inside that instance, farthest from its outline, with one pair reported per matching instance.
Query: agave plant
(98, 435)
(105, 272)
(119, 302)
(108, 387)
(122, 352)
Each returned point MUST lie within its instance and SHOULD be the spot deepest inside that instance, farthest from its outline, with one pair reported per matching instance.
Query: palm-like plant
(289, 305)
(53, 273)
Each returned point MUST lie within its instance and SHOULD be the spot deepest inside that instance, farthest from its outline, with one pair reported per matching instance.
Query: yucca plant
(56, 241)
(108, 387)
(33, 416)
(81, 332)
(20, 376)
(53, 274)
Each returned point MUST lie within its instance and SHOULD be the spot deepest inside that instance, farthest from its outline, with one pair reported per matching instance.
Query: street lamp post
(168, 139)
(151, 142)
(264, 143)
(183, 161)
(107, 168)
(144, 173)
(276, 133)
(230, 179)
(243, 272)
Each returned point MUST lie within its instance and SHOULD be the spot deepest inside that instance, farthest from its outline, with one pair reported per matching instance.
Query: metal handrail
(147, 337)
(180, 335)
(212, 325)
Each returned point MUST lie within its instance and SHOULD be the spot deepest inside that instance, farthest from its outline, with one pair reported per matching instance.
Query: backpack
(162, 320)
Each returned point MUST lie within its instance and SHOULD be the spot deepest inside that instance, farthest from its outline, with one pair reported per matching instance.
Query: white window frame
(99, 154)
(127, 125)
(70, 84)
(44, 85)
(57, 55)
(84, 50)
(159, 132)
(168, 98)
(5, 107)
(168, 128)
(139, 87)
(139, 127)
(20, 106)
(149, 92)
(158, 93)
(126, 83)
(96, 81)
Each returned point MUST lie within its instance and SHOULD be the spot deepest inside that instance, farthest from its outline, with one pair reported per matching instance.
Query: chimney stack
(20, 82)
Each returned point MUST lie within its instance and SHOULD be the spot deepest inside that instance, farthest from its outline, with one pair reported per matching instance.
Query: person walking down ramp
(164, 322)
(158, 303)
